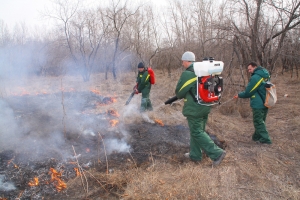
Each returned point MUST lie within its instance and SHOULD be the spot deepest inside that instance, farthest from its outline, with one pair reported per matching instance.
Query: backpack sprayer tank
(209, 83)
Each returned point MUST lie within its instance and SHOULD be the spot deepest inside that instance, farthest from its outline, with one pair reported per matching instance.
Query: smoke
(28, 134)
(36, 125)
(6, 186)
(133, 111)
(21, 60)
(146, 118)
(8, 125)
(130, 110)
(116, 145)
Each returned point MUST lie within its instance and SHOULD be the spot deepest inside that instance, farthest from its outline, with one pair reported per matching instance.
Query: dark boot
(219, 160)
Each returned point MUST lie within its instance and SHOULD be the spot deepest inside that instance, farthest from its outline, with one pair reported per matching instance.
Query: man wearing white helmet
(196, 115)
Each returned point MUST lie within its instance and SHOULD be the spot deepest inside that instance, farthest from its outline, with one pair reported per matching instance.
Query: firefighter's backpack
(152, 75)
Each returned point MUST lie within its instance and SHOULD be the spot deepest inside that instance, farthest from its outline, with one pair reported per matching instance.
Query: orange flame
(113, 112)
(34, 182)
(95, 91)
(158, 121)
(77, 172)
(113, 122)
(24, 92)
(11, 161)
(113, 99)
(55, 177)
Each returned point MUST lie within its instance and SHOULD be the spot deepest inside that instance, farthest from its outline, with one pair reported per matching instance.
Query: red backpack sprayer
(209, 82)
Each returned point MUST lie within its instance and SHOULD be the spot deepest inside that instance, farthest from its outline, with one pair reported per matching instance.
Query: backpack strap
(263, 82)
(190, 91)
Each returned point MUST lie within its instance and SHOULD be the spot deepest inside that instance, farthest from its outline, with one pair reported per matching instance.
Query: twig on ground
(98, 150)
(256, 191)
(279, 161)
(104, 153)
(152, 159)
(80, 168)
(158, 156)
(96, 180)
(132, 159)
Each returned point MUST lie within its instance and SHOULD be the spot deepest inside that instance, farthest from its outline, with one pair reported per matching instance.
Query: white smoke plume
(6, 185)
(116, 145)
(37, 124)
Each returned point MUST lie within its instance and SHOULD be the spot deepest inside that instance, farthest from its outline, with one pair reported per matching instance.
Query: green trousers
(259, 120)
(146, 103)
(200, 140)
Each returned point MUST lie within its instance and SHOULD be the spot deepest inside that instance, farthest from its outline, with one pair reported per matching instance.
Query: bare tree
(260, 28)
(4, 34)
(64, 10)
(20, 33)
(118, 15)
(90, 28)
(84, 31)
(142, 31)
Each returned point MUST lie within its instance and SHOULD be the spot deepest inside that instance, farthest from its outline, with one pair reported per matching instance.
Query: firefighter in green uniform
(196, 115)
(256, 91)
(144, 87)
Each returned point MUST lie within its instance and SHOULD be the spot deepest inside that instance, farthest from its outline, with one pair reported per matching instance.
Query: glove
(136, 91)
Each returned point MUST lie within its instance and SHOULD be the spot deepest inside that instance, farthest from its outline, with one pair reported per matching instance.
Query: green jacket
(255, 89)
(143, 80)
(186, 83)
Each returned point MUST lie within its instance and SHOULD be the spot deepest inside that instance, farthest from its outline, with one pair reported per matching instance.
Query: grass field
(249, 170)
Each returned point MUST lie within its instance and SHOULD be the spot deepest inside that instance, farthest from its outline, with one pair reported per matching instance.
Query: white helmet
(188, 56)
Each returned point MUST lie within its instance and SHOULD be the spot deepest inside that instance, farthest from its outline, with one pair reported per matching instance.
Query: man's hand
(236, 97)
(136, 91)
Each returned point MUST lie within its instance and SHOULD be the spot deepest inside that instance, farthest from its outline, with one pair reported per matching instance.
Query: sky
(29, 11)
(19, 11)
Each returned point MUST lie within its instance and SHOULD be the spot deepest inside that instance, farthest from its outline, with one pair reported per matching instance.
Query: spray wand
(226, 101)
(172, 99)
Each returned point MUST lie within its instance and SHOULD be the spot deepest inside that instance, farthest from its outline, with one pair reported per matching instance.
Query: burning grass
(34, 182)
(56, 179)
(158, 121)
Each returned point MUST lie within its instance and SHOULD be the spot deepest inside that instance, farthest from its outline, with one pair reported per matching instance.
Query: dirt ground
(151, 165)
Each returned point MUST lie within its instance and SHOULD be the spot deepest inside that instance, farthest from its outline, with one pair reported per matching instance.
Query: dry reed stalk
(132, 159)
(63, 107)
(80, 168)
(104, 153)
(97, 180)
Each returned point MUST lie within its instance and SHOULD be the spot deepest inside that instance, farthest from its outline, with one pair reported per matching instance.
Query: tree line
(114, 37)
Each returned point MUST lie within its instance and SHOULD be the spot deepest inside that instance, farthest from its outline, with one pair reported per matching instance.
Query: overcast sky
(28, 11)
